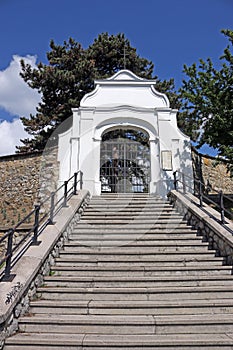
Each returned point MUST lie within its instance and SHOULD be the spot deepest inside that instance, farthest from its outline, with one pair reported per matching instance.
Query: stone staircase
(133, 275)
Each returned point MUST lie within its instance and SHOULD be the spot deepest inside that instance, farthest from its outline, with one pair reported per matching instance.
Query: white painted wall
(123, 100)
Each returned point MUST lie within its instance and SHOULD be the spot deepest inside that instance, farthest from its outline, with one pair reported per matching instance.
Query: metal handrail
(41, 220)
(199, 191)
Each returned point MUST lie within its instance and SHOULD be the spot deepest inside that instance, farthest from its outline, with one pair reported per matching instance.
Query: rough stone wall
(19, 180)
(213, 172)
(24, 180)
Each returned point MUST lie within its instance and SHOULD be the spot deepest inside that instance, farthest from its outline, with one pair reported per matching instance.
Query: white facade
(124, 101)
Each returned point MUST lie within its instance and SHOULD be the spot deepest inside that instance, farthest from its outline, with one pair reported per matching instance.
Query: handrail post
(183, 182)
(65, 193)
(222, 207)
(75, 183)
(7, 274)
(175, 180)
(200, 193)
(51, 215)
(36, 225)
(81, 180)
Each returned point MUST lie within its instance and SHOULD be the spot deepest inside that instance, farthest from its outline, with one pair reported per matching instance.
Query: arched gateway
(125, 161)
(124, 137)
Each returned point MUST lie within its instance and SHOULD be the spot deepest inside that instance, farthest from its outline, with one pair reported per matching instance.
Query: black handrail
(41, 220)
(199, 190)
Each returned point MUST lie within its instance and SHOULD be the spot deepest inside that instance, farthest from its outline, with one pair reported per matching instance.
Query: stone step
(121, 324)
(124, 197)
(144, 250)
(131, 221)
(52, 341)
(95, 282)
(137, 307)
(149, 264)
(153, 244)
(117, 324)
(133, 207)
(88, 229)
(160, 212)
(159, 270)
(134, 225)
(152, 260)
(135, 250)
(126, 216)
(125, 241)
(168, 293)
(140, 236)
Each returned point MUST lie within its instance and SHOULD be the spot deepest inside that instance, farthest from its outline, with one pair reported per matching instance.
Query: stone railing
(35, 264)
(204, 221)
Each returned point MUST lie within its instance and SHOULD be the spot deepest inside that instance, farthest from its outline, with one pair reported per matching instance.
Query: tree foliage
(207, 102)
(70, 74)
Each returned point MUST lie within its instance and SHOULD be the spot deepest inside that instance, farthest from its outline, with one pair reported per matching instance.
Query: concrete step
(117, 324)
(137, 307)
(135, 250)
(121, 324)
(152, 259)
(142, 260)
(126, 216)
(132, 225)
(88, 229)
(95, 242)
(135, 209)
(130, 221)
(52, 341)
(140, 236)
(138, 244)
(168, 293)
(137, 282)
(124, 197)
(159, 270)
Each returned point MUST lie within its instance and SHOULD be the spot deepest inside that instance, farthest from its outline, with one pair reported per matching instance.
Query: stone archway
(125, 161)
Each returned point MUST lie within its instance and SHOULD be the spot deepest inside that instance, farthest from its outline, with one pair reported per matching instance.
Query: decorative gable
(125, 88)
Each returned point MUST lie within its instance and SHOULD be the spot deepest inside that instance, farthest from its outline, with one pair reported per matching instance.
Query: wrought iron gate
(125, 161)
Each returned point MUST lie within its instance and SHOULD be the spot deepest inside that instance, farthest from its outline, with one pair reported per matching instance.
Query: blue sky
(171, 33)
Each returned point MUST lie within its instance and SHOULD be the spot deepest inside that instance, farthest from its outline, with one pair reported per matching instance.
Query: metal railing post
(65, 193)
(222, 207)
(200, 193)
(75, 183)
(81, 180)
(36, 224)
(7, 274)
(51, 215)
(175, 180)
(183, 182)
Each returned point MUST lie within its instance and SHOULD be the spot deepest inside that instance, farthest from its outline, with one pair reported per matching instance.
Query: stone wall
(212, 172)
(24, 180)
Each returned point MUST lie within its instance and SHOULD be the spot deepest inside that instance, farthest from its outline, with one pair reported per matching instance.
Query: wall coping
(15, 156)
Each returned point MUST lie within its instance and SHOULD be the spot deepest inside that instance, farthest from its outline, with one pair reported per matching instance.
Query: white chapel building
(124, 138)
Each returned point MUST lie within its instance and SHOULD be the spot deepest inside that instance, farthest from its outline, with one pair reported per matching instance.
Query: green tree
(70, 74)
(207, 102)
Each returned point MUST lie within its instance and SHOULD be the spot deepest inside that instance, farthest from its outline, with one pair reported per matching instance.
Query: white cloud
(17, 99)
(10, 135)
